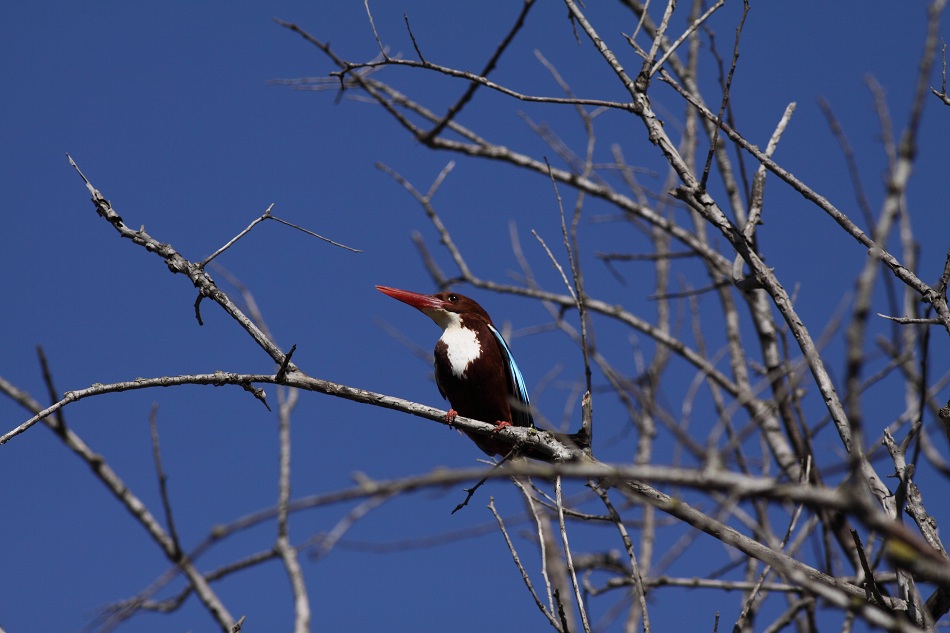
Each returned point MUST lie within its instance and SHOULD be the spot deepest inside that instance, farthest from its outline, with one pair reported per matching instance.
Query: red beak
(416, 300)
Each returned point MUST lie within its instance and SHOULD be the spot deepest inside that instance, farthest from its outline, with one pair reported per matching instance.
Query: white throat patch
(462, 346)
(461, 343)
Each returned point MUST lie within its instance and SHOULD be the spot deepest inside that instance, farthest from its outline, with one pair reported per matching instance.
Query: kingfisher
(474, 368)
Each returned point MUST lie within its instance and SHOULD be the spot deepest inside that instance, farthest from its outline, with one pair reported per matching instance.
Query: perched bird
(474, 368)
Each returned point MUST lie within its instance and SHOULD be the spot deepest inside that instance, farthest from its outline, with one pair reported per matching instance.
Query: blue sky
(168, 110)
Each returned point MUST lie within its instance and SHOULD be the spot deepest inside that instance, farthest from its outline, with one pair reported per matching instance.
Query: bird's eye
(453, 298)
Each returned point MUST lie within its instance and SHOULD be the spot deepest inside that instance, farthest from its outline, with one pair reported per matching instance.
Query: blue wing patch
(520, 406)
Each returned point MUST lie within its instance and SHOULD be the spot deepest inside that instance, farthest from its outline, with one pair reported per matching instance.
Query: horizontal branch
(540, 442)
(480, 80)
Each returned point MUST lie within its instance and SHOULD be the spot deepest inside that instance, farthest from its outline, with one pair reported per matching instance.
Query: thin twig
(412, 36)
(912, 320)
(658, 38)
(287, 399)
(372, 24)
(726, 88)
(569, 557)
(870, 584)
(163, 480)
(234, 239)
(329, 540)
(635, 576)
(524, 574)
(316, 235)
(682, 38)
(556, 264)
(456, 107)
(471, 491)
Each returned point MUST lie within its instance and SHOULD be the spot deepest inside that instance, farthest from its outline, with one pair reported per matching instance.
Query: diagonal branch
(178, 264)
(133, 504)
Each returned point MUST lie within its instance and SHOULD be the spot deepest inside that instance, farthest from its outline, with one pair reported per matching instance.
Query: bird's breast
(462, 348)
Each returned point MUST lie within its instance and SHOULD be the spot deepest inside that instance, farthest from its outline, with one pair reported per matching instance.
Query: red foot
(500, 425)
(450, 416)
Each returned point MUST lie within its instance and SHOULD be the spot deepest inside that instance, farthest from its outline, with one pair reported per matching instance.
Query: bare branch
(524, 574)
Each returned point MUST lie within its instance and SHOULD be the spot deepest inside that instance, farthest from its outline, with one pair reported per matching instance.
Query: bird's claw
(450, 416)
(500, 425)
